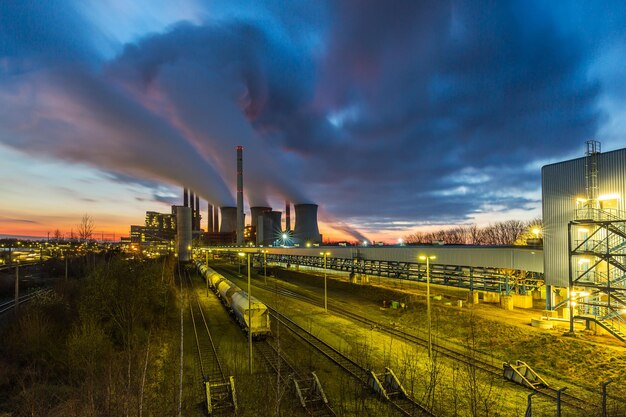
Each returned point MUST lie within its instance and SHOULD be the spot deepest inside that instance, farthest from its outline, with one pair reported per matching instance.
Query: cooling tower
(256, 212)
(183, 233)
(229, 219)
(276, 225)
(306, 230)
(240, 218)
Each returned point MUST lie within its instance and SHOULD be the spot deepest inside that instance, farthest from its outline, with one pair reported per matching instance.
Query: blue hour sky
(392, 116)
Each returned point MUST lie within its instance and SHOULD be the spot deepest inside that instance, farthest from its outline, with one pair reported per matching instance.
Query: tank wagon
(255, 319)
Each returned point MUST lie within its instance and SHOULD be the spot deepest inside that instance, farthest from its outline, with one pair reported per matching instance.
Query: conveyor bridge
(492, 269)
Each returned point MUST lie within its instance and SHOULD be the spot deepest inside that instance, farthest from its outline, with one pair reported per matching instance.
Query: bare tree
(57, 235)
(85, 228)
(510, 232)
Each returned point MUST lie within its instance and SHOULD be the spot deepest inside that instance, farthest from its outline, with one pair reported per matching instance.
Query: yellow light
(584, 261)
(423, 257)
(308, 244)
(584, 294)
(241, 254)
(609, 197)
(583, 230)
(581, 200)
(573, 303)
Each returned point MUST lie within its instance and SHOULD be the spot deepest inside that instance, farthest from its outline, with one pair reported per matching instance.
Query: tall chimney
(215, 220)
(185, 197)
(198, 216)
(192, 206)
(287, 215)
(209, 218)
(240, 218)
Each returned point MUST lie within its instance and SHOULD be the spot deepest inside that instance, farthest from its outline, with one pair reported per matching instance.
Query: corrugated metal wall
(561, 184)
(524, 259)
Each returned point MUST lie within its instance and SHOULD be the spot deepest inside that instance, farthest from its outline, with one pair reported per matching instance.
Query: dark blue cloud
(415, 112)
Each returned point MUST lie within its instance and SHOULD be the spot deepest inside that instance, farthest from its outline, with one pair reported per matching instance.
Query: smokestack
(183, 233)
(191, 205)
(229, 219)
(198, 215)
(306, 230)
(215, 219)
(209, 218)
(257, 222)
(287, 215)
(240, 218)
(185, 197)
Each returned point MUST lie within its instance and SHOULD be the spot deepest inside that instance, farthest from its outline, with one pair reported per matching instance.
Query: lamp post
(249, 315)
(265, 265)
(17, 285)
(325, 255)
(430, 339)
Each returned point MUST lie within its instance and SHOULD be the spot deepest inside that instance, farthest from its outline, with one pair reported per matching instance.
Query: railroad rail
(10, 305)
(308, 390)
(406, 405)
(220, 391)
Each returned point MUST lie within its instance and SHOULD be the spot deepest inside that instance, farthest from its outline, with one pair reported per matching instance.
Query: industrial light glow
(609, 197)
(424, 257)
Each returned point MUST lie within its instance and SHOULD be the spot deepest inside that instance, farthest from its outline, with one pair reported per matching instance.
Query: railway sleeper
(221, 397)
(386, 384)
(522, 374)
(310, 392)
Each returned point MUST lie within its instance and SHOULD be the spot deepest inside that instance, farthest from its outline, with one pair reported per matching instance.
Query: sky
(392, 116)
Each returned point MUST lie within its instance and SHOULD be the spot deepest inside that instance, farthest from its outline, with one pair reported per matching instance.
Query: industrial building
(584, 217)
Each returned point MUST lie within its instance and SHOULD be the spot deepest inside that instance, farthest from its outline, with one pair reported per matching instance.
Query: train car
(236, 300)
(225, 290)
(255, 319)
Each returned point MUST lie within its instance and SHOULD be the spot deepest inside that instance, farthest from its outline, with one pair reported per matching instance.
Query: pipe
(240, 218)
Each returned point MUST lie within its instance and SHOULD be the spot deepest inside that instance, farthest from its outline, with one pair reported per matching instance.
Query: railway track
(307, 389)
(405, 405)
(10, 305)
(458, 356)
(220, 389)
(474, 360)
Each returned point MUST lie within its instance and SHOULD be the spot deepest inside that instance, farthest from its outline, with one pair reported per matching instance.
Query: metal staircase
(598, 264)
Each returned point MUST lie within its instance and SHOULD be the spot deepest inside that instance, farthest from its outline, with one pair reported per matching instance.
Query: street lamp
(536, 231)
(265, 264)
(249, 315)
(325, 255)
(430, 338)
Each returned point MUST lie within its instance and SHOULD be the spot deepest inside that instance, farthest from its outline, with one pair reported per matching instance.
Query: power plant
(228, 227)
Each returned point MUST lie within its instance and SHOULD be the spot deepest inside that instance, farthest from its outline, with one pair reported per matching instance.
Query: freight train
(236, 302)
